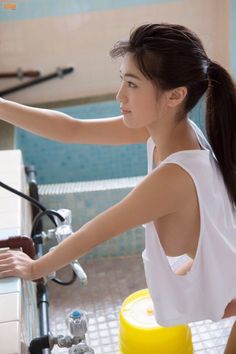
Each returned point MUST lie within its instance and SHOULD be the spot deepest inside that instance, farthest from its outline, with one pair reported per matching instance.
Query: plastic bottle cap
(150, 311)
(139, 312)
(76, 314)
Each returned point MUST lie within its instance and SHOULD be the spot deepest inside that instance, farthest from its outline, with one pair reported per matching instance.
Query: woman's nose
(120, 96)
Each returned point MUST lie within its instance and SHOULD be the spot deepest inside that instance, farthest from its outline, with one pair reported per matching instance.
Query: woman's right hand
(16, 264)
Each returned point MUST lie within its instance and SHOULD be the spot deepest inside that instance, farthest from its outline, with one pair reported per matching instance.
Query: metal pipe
(38, 345)
(59, 73)
(42, 301)
(33, 191)
(43, 304)
(20, 74)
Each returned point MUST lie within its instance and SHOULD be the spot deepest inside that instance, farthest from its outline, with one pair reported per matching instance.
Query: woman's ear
(176, 96)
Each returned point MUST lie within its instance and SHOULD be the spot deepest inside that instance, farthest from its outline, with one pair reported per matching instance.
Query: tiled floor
(110, 281)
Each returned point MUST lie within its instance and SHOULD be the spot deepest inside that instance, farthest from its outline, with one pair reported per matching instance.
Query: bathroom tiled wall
(82, 35)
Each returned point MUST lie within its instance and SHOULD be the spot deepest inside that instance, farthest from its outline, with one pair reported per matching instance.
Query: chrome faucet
(62, 231)
(77, 323)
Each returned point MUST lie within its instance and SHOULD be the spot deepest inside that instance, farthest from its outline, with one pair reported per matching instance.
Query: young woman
(188, 198)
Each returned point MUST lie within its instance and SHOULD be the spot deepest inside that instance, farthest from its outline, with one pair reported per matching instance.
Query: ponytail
(221, 123)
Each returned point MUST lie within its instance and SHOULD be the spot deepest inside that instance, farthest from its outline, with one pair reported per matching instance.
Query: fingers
(4, 255)
(7, 273)
(7, 264)
(8, 253)
(15, 263)
(12, 255)
(5, 260)
(8, 257)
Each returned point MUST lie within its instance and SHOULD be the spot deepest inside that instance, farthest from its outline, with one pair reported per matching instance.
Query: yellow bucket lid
(139, 329)
(138, 310)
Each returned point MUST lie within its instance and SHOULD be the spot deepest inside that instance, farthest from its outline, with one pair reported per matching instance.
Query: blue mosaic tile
(87, 205)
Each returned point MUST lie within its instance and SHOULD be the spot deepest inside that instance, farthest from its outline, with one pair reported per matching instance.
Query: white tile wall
(9, 337)
(14, 220)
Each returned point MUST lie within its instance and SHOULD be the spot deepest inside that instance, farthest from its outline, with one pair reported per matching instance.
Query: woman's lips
(124, 111)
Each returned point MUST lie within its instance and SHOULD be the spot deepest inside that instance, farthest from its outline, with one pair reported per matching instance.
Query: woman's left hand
(16, 264)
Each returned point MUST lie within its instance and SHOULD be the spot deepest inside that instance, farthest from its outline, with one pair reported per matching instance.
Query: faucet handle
(81, 348)
(79, 272)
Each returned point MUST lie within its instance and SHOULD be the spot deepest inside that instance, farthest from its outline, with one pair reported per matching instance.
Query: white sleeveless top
(204, 292)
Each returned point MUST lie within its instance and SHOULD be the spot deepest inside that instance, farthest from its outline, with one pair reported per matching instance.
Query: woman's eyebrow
(130, 75)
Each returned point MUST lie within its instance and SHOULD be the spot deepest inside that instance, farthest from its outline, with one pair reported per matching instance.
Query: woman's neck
(171, 136)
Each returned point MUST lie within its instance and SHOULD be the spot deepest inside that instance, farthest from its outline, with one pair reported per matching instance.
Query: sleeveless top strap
(150, 149)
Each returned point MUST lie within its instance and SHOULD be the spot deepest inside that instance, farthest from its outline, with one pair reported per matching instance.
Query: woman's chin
(129, 123)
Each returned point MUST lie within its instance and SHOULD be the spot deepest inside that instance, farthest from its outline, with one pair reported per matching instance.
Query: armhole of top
(199, 200)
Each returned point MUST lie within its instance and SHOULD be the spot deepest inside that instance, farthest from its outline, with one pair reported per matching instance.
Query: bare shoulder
(183, 180)
(173, 170)
(176, 181)
(163, 191)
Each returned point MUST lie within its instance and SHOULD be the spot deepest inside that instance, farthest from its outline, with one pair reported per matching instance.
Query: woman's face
(141, 102)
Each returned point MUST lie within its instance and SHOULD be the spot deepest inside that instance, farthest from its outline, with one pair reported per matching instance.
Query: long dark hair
(172, 56)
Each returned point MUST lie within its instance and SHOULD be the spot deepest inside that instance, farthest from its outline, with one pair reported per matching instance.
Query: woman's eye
(131, 84)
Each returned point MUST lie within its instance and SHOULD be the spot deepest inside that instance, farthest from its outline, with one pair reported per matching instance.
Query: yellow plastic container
(140, 334)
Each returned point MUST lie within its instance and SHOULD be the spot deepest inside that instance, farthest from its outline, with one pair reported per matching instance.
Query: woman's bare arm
(61, 127)
(140, 206)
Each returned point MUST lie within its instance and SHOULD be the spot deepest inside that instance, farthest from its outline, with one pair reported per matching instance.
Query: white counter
(17, 298)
